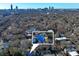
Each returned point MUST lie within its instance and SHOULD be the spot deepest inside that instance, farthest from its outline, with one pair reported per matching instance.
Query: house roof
(50, 30)
(73, 53)
(61, 38)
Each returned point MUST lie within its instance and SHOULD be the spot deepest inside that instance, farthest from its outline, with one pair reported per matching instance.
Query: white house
(73, 53)
(1, 45)
(61, 38)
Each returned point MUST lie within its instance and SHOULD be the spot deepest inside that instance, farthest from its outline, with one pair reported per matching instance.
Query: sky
(40, 5)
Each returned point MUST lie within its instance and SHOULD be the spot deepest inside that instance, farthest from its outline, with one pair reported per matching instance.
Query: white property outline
(44, 43)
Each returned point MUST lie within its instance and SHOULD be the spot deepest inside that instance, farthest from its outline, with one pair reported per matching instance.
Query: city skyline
(40, 5)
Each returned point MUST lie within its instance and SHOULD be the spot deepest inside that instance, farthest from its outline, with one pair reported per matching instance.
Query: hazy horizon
(40, 5)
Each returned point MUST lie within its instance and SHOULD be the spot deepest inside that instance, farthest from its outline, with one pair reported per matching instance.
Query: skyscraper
(11, 7)
(16, 7)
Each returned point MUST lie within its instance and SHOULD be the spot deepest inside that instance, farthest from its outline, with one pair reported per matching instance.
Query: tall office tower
(16, 7)
(11, 7)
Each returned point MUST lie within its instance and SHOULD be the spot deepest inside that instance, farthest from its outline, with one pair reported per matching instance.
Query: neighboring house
(5, 45)
(61, 38)
(28, 35)
(1, 45)
(71, 50)
(73, 53)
